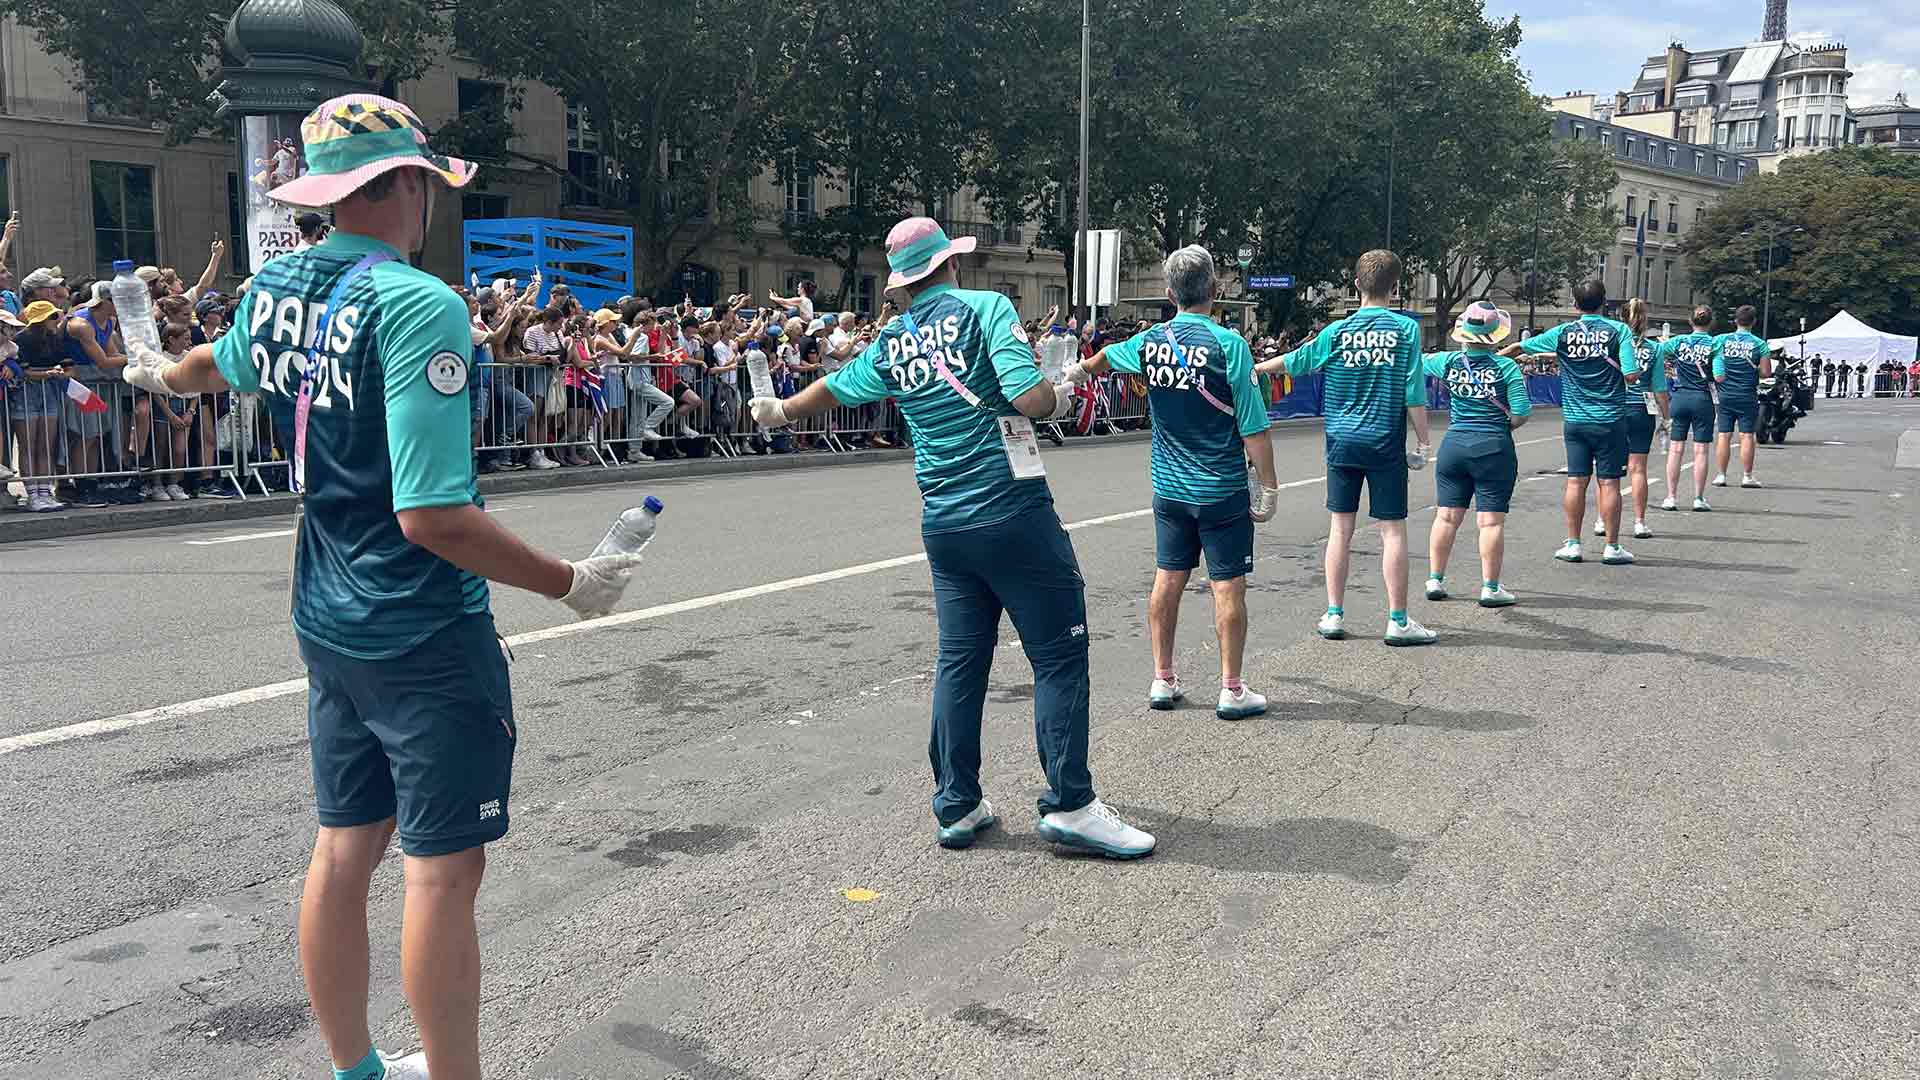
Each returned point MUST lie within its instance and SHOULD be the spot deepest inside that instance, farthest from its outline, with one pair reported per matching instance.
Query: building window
(793, 280)
(1692, 97)
(123, 219)
(1673, 156)
(799, 192)
(1699, 215)
(1787, 134)
(236, 227)
(1579, 131)
(1666, 284)
(1699, 69)
(6, 190)
(1054, 296)
(583, 160)
(1626, 274)
(1791, 88)
(482, 206)
(1673, 216)
(741, 281)
(865, 305)
(1746, 134)
(1633, 203)
(1686, 135)
(1699, 162)
(486, 101)
(1740, 170)
(1630, 145)
(1646, 277)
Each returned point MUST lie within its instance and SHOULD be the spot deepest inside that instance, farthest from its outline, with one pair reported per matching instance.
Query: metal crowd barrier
(48, 438)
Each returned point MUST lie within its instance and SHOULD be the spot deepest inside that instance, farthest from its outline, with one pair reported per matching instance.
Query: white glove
(769, 412)
(1417, 460)
(1074, 374)
(1063, 401)
(1265, 502)
(598, 584)
(147, 369)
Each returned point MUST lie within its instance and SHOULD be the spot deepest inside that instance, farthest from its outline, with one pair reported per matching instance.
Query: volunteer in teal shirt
(1373, 386)
(1596, 360)
(1209, 418)
(1643, 405)
(1740, 360)
(365, 365)
(965, 377)
(1478, 466)
(1688, 362)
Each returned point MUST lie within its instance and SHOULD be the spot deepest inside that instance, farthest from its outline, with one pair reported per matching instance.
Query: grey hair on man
(1190, 277)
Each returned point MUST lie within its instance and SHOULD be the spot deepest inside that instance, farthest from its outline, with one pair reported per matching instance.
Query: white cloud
(1876, 81)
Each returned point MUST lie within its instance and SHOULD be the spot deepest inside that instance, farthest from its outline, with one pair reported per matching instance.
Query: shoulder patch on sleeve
(1020, 332)
(447, 372)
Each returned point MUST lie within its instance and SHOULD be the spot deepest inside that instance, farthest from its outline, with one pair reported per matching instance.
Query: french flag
(84, 398)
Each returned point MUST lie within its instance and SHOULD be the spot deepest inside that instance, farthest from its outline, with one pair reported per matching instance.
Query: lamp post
(1086, 81)
(1766, 301)
(280, 59)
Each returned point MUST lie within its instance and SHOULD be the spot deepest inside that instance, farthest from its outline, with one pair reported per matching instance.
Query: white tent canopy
(1847, 339)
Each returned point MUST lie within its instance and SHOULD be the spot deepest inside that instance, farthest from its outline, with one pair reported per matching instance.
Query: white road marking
(271, 691)
(240, 537)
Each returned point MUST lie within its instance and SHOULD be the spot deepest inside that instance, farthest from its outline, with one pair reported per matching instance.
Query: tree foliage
(1859, 208)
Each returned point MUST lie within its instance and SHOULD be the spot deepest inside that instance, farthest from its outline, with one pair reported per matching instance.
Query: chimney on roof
(1775, 28)
(1676, 71)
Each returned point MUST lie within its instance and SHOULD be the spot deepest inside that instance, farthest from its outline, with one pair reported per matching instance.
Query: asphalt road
(1655, 821)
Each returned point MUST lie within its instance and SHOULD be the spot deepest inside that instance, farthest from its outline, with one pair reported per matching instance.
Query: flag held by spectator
(84, 398)
(596, 389)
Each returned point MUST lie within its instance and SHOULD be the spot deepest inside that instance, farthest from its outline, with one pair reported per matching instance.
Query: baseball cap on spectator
(816, 326)
(102, 293)
(209, 304)
(353, 138)
(42, 278)
(604, 316)
(37, 312)
(148, 274)
(501, 286)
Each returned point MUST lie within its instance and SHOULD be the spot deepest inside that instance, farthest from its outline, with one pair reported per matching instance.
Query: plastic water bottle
(1056, 351)
(757, 372)
(632, 530)
(133, 306)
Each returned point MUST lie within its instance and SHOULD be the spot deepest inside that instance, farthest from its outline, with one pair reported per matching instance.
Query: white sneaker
(1164, 694)
(1497, 596)
(1333, 626)
(1615, 555)
(540, 460)
(411, 1067)
(687, 432)
(1719, 479)
(1700, 505)
(635, 457)
(1239, 706)
(41, 502)
(1436, 588)
(1409, 633)
(1095, 827)
(1748, 481)
(1569, 551)
(961, 833)
(155, 493)
(649, 435)
(177, 493)
(1599, 527)
(1641, 532)
(1669, 504)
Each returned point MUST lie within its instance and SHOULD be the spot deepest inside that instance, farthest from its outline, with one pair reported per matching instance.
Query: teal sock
(1399, 617)
(370, 1068)
(1336, 611)
(1491, 584)
(1436, 577)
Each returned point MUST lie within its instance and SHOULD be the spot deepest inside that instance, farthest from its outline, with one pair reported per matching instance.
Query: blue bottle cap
(653, 505)
(121, 266)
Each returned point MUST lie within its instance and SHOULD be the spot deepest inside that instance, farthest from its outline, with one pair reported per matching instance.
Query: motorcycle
(1780, 404)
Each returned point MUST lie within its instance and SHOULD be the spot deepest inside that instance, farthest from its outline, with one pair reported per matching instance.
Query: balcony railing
(987, 232)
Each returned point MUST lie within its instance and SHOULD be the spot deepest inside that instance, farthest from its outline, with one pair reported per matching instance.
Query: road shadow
(1823, 490)
(1562, 601)
(1355, 850)
(686, 1055)
(1760, 540)
(1545, 635)
(1353, 707)
(1662, 562)
(1808, 515)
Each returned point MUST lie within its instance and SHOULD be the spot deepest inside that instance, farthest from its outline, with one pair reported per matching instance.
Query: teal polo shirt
(1372, 372)
(1596, 355)
(1199, 456)
(1737, 356)
(389, 430)
(1478, 379)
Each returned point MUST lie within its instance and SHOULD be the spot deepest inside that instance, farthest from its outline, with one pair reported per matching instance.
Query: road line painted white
(240, 537)
(252, 695)
(1908, 456)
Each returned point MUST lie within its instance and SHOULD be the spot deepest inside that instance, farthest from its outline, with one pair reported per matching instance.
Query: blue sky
(1599, 47)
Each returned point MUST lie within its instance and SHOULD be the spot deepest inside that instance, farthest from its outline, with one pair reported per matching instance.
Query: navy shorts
(1386, 490)
(1640, 425)
(1598, 450)
(1745, 414)
(1224, 530)
(1692, 415)
(1482, 475)
(426, 738)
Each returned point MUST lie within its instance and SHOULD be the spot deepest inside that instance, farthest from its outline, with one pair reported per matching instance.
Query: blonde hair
(1635, 316)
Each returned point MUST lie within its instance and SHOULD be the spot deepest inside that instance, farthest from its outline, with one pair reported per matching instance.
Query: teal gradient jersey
(1596, 355)
(389, 430)
(1737, 356)
(1198, 456)
(1373, 374)
(1478, 380)
(1653, 375)
(959, 460)
(1689, 362)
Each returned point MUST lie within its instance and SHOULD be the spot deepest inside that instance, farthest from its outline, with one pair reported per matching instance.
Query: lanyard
(310, 368)
(940, 363)
(1199, 379)
(1498, 400)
